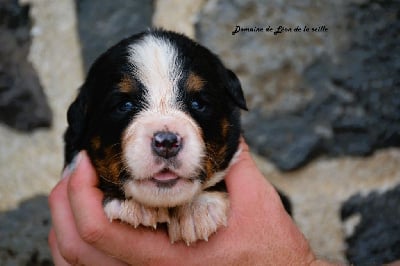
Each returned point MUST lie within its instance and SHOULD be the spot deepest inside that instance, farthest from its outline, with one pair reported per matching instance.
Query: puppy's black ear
(235, 90)
(75, 133)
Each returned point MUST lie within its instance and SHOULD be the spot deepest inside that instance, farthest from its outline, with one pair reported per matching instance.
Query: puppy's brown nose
(166, 144)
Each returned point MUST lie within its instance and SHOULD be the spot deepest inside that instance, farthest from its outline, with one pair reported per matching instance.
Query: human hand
(259, 230)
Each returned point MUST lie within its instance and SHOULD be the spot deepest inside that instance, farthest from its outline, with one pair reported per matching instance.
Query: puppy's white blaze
(158, 68)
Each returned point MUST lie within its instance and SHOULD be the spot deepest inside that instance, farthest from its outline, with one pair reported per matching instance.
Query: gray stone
(23, 104)
(301, 143)
(103, 23)
(23, 234)
(375, 237)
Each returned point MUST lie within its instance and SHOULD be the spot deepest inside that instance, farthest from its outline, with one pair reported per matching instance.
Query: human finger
(64, 238)
(55, 253)
(244, 178)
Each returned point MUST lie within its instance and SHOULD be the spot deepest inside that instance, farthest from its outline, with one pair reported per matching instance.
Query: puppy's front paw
(134, 213)
(200, 218)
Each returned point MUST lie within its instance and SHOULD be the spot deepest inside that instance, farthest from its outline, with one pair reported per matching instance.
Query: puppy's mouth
(165, 178)
(165, 186)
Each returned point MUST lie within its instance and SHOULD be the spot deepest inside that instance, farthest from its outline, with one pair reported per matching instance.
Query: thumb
(244, 173)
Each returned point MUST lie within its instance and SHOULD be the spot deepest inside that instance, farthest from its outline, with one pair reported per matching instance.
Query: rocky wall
(319, 78)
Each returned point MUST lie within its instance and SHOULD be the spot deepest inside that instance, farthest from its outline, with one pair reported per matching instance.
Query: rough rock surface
(22, 239)
(377, 227)
(312, 93)
(103, 23)
(186, 14)
(23, 104)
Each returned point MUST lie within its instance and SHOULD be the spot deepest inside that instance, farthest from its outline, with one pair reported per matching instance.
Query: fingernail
(71, 167)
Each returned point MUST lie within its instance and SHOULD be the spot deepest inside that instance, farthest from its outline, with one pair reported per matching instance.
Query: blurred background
(324, 119)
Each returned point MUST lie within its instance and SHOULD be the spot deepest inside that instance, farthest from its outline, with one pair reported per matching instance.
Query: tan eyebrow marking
(126, 84)
(194, 82)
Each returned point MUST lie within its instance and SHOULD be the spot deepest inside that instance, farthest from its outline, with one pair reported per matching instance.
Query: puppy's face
(159, 117)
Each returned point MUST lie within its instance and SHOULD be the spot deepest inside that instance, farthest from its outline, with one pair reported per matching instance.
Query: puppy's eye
(126, 107)
(198, 106)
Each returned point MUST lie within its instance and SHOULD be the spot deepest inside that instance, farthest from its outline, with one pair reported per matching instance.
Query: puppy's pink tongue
(165, 176)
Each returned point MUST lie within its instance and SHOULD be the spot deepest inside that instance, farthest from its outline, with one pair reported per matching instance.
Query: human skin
(259, 230)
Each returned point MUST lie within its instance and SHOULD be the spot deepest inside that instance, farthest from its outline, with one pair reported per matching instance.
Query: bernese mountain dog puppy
(159, 116)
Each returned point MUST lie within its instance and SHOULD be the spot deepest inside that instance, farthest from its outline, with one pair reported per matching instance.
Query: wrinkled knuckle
(90, 233)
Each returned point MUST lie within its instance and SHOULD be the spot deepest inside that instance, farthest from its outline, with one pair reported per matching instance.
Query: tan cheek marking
(214, 159)
(126, 84)
(95, 143)
(110, 167)
(209, 168)
(225, 128)
(194, 82)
